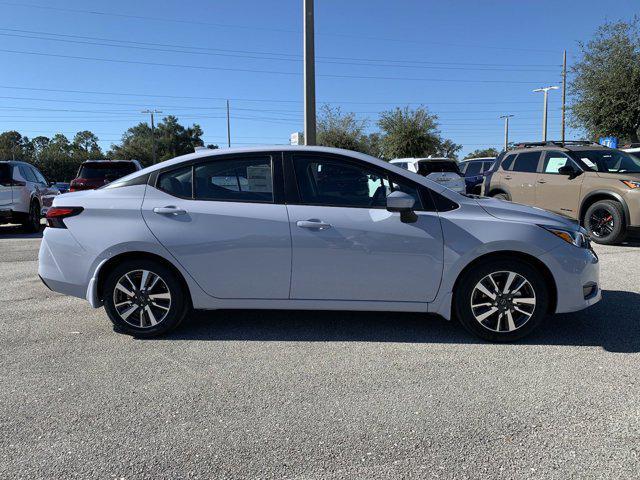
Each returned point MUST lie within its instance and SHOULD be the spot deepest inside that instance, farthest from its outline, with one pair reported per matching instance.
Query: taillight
(13, 183)
(56, 215)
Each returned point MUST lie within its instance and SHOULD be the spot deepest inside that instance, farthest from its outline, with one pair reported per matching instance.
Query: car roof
(210, 153)
(478, 159)
(109, 161)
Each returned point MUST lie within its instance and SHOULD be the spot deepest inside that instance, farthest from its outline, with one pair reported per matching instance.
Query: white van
(438, 169)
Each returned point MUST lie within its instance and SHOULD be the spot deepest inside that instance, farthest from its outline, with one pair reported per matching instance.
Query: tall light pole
(309, 75)
(564, 94)
(153, 132)
(228, 126)
(506, 130)
(545, 109)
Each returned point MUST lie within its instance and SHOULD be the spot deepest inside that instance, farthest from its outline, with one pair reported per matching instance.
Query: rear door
(229, 228)
(6, 184)
(556, 192)
(522, 177)
(347, 246)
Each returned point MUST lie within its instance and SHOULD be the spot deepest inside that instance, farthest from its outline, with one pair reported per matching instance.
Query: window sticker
(554, 164)
(588, 163)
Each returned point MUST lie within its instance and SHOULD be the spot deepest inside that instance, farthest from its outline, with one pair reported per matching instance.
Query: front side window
(609, 161)
(554, 161)
(335, 183)
(176, 182)
(487, 166)
(39, 176)
(27, 174)
(473, 169)
(526, 162)
(508, 160)
(242, 180)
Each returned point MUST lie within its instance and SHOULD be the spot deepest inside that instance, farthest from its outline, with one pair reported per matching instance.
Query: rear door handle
(169, 210)
(508, 178)
(313, 224)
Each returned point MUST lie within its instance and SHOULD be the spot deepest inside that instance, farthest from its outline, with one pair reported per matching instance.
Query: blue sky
(95, 65)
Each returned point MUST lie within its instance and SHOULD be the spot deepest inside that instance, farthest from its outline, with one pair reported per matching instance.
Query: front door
(347, 246)
(556, 192)
(227, 228)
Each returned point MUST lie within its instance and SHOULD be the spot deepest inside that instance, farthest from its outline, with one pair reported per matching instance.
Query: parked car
(63, 187)
(633, 148)
(96, 173)
(311, 228)
(597, 186)
(474, 170)
(25, 195)
(438, 169)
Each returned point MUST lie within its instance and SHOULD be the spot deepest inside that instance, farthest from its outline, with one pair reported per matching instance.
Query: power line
(192, 22)
(273, 72)
(351, 61)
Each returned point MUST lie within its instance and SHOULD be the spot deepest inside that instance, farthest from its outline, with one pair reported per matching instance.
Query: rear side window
(526, 162)
(176, 182)
(473, 169)
(507, 162)
(5, 172)
(241, 180)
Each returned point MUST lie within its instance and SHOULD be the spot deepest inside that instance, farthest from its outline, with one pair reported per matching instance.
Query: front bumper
(577, 276)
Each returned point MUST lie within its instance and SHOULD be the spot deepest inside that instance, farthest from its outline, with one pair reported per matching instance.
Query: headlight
(577, 238)
(632, 184)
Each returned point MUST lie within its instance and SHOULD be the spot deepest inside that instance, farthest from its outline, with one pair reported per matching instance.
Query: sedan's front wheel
(502, 300)
(144, 298)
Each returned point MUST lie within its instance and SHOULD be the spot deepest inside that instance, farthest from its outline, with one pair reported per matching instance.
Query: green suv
(594, 185)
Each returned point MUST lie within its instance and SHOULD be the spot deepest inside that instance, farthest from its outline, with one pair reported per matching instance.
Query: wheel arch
(598, 195)
(510, 255)
(497, 190)
(108, 266)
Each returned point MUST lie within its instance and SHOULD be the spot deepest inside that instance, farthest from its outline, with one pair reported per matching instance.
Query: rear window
(432, 166)
(526, 162)
(5, 172)
(108, 170)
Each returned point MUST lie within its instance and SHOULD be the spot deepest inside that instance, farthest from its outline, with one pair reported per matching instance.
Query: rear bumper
(577, 275)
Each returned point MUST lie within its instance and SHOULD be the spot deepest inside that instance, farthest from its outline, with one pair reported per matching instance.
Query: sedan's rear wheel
(144, 298)
(502, 300)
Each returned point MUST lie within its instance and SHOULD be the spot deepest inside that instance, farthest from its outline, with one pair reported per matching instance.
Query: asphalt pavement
(314, 395)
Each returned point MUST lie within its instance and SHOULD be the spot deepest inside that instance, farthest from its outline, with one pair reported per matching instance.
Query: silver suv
(25, 195)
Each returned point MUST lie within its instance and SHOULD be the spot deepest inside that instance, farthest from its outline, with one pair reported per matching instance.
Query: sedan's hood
(517, 212)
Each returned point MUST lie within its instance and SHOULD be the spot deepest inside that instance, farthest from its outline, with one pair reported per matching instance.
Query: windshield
(430, 166)
(109, 170)
(609, 161)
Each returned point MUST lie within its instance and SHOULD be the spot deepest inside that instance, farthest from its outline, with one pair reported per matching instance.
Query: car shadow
(16, 231)
(612, 324)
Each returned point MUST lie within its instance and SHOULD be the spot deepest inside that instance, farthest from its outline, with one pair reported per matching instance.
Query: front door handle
(313, 224)
(169, 210)
(508, 178)
(542, 181)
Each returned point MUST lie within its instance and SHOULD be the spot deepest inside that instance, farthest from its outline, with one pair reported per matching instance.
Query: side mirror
(569, 171)
(403, 203)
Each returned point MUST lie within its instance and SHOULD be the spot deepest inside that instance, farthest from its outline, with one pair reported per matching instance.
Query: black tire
(31, 223)
(140, 324)
(604, 220)
(466, 293)
(501, 196)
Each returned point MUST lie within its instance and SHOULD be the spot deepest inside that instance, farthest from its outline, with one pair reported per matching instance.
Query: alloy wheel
(141, 298)
(503, 301)
(601, 223)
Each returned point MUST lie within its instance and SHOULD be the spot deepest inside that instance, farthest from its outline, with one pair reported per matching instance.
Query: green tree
(85, 146)
(408, 133)
(12, 146)
(483, 152)
(172, 140)
(341, 130)
(56, 161)
(605, 89)
(449, 149)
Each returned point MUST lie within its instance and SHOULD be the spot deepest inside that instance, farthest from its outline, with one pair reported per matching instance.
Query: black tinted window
(5, 172)
(106, 170)
(526, 162)
(176, 182)
(430, 166)
(473, 168)
(27, 174)
(506, 163)
(487, 166)
(242, 180)
(335, 183)
(611, 161)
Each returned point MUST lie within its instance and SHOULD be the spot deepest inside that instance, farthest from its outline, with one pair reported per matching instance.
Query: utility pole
(309, 75)
(545, 109)
(564, 93)
(228, 127)
(153, 132)
(506, 130)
